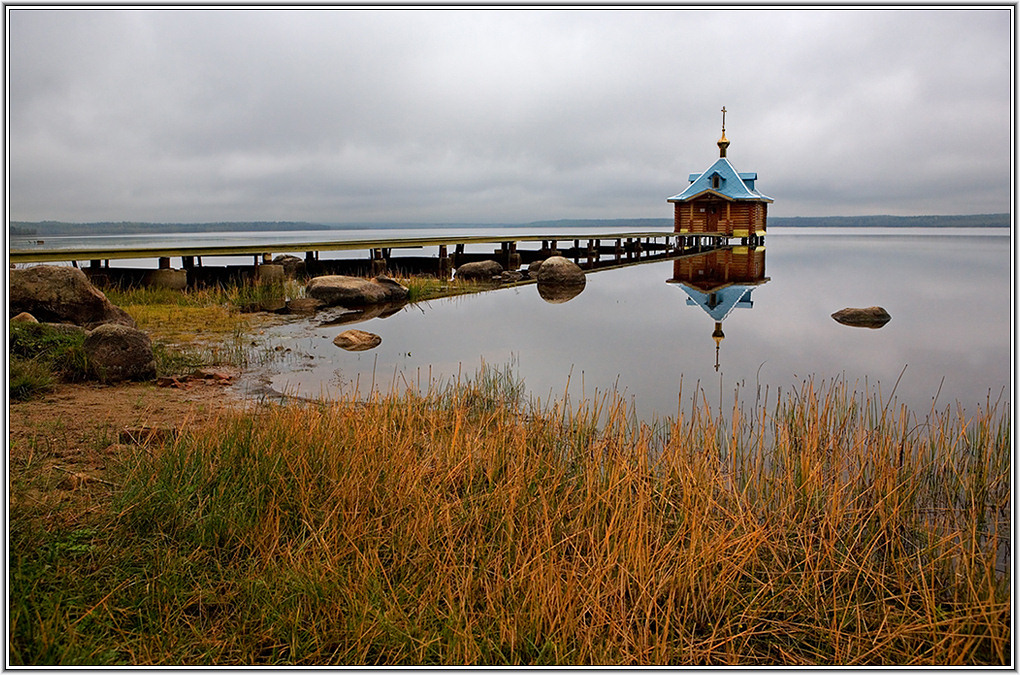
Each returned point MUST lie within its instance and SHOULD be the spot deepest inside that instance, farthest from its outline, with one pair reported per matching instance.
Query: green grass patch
(40, 355)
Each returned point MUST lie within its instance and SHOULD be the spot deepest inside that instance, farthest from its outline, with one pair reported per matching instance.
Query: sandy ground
(69, 436)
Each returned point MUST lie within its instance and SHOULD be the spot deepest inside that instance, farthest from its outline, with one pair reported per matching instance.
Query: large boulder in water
(62, 295)
(354, 291)
(862, 317)
(559, 279)
(116, 352)
(558, 270)
(483, 270)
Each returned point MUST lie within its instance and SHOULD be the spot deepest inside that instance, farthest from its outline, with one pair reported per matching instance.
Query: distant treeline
(636, 224)
(55, 228)
(982, 220)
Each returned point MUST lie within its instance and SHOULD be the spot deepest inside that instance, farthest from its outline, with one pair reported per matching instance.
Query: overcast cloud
(339, 115)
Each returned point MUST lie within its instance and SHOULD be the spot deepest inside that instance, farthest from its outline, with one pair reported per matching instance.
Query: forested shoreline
(59, 228)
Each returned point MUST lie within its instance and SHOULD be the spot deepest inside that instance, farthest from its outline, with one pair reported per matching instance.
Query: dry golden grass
(465, 527)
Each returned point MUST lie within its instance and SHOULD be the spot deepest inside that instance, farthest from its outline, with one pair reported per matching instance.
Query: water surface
(636, 331)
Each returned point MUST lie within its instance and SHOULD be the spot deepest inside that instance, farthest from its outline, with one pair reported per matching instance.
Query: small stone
(357, 340)
(862, 317)
(24, 317)
(167, 381)
(214, 374)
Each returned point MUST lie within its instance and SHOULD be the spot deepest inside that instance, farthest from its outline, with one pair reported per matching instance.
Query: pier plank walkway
(40, 255)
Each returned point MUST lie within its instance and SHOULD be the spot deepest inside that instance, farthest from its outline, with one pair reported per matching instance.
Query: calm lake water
(647, 333)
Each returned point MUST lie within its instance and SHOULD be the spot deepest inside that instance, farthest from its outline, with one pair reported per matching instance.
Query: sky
(501, 116)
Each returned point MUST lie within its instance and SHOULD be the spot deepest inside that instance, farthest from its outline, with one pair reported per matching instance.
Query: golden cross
(724, 119)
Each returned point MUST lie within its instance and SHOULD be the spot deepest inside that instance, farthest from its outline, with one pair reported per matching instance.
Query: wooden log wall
(693, 217)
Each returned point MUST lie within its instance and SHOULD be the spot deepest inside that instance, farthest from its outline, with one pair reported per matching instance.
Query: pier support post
(514, 261)
(378, 262)
(164, 263)
(445, 264)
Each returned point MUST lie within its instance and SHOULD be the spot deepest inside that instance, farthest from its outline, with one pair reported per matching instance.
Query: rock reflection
(338, 316)
(720, 281)
(558, 293)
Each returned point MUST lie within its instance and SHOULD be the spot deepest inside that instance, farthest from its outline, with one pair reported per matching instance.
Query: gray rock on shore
(116, 352)
(57, 294)
(355, 291)
(862, 317)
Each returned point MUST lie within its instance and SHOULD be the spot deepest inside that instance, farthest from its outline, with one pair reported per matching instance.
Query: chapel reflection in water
(720, 281)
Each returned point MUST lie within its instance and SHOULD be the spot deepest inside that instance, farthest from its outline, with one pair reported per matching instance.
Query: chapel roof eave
(686, 198)
(681, 198)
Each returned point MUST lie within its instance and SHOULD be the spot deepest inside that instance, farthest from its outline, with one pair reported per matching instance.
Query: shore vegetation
(468, 525)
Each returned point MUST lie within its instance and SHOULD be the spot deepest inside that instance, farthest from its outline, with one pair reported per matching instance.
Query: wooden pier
(377, 256)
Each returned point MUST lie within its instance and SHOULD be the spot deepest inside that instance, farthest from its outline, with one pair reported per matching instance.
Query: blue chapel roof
(733, 185)
(719, 303)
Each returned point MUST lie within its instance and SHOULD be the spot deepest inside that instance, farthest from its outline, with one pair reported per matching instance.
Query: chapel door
(712, 218)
